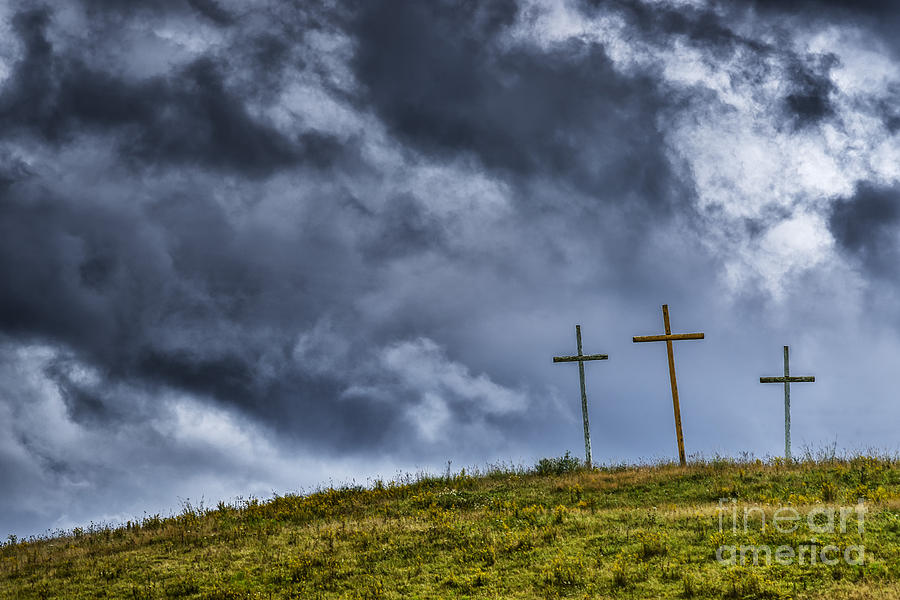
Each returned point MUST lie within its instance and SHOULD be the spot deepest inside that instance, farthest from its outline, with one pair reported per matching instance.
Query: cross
(787, 380)
(580, 358)
(668, 338)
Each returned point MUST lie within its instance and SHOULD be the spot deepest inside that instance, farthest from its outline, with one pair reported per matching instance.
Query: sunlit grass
(556, 530)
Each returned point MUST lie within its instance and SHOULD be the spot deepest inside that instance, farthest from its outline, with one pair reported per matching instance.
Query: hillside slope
(552, 531)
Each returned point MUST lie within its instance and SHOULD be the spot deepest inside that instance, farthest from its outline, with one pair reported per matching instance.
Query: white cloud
(423, 368)
(744, 160)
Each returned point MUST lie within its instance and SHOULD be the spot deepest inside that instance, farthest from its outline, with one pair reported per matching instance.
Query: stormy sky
(257, 247)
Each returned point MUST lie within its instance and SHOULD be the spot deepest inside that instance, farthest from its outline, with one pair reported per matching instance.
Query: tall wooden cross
(787, 380)
(668, 338)
(580, 358)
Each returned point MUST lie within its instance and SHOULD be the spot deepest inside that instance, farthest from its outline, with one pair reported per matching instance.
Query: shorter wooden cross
(668, 338)
(787, 380)
(580, 358)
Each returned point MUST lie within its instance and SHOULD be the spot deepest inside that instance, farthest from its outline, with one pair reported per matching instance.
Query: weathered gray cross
(787, 380)
(580, 358)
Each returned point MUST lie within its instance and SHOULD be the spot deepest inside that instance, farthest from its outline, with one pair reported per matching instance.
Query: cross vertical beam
(668, 338)
(670, 351)
(584, 411)
(580, 358)
(787, 380)
(787, 404)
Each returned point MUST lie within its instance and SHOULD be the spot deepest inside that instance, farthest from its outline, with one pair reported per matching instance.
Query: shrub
(557, 466)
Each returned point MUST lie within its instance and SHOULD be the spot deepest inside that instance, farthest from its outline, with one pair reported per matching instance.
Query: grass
(556, 530)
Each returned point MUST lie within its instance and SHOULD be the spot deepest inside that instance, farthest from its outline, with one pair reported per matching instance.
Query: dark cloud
(564, 113)
(170, 292)
(359, 232)
(85, 404)
(809, 102)
(808, 77)
(878, 18)
(867, 226)
(699, 25)
(12, 169)
(889, 112)
(108, 292)
(227, 378)
(811, 7)
(402, 228)
(188, 116)
(212, 11)
(208, 8)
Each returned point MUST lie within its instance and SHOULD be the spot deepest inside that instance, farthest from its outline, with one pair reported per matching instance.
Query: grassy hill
(552, 531)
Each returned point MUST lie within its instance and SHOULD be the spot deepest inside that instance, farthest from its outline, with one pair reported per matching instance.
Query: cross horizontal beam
(580, 357)
(668, 337)
(787, 379)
